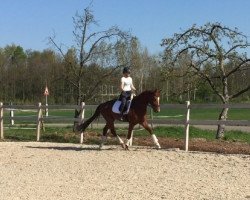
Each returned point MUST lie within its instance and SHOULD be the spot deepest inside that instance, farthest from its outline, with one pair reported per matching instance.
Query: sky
(29, 23)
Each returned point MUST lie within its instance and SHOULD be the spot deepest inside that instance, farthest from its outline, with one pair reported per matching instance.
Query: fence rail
(39, 118)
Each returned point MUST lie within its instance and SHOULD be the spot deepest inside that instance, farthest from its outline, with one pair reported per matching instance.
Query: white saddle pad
(117, 104)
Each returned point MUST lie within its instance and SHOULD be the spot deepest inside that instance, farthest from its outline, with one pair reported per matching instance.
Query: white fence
(38, 119)
(186, 122)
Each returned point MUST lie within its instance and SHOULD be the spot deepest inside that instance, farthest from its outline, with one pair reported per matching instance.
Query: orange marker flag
(46, 91)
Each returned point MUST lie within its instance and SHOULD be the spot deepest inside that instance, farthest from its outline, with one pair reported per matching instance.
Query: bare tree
(219, 47)
(89, 46)
(143, 66)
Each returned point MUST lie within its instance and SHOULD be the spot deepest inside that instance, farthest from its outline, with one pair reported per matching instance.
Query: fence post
(38, 125)
(187, 125)
(81, 119)
(12, 122)
(1, 121)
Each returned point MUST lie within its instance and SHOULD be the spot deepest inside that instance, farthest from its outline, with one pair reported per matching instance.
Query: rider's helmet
(126, 70)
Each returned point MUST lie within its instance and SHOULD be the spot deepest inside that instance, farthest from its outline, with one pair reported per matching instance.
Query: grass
(61, 135)
(178, 133)
(65, 135)
(204, 114)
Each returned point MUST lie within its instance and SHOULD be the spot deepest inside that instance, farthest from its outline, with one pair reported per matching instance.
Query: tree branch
(210, 82)
(240, 92)
(237, 67)
(103, 78)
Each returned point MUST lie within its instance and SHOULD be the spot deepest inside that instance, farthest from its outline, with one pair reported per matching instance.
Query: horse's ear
(157, 90)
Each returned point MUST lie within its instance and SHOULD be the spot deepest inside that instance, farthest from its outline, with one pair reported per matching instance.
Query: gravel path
(41, 171)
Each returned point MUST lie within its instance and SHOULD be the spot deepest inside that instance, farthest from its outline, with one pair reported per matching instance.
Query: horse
(136, 115)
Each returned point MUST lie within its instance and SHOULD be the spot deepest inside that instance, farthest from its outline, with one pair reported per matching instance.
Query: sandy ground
(69, 171)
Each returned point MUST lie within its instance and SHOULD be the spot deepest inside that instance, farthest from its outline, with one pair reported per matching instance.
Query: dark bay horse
(136, 115)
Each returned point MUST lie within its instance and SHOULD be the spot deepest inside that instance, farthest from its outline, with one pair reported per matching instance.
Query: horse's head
(154, 100)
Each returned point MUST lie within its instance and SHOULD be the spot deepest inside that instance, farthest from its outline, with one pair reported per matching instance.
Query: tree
(13, 63)
(180, 84)
(143, 65)
(220, 47)
(89, 47)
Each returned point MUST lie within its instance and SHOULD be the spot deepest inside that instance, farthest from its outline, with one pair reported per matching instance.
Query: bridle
(157, 106)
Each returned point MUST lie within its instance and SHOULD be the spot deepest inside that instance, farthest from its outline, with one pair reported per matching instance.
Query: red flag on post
(46, 91)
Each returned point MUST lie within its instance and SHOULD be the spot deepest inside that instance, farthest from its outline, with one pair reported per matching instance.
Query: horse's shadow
(71, 148)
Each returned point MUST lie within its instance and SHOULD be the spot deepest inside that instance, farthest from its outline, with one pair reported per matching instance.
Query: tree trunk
(221, 127)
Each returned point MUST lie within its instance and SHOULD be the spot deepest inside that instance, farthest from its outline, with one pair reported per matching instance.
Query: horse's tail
(84, 125)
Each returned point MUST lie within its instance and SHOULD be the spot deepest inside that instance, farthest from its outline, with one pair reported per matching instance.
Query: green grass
(70, 113)
(208, 113)
(178, 133)
(204, 114)
(20, 134)
(65, 135)
(237, 136)
(61, 135)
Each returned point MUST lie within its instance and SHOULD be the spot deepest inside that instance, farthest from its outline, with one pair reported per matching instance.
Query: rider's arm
(132, 86)
(122, 84)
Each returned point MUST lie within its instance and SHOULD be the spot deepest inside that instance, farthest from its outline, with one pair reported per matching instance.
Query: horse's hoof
(158, 147)
(126, 147)
(100, 146)
(78, 128)
(123, 145)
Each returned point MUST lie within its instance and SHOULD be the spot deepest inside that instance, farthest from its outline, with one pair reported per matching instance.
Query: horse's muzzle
(157, 109)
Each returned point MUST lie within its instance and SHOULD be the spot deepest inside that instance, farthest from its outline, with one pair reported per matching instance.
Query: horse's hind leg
(104, 136)
(112, 129)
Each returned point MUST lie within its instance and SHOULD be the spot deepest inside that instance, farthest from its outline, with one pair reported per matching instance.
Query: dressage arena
(39, 171)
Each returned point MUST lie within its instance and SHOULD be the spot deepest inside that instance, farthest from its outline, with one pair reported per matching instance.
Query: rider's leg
(124, 97)
(122, 106)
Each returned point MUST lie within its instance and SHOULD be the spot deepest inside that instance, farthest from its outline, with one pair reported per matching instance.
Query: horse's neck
(145, 96)
(141, 100)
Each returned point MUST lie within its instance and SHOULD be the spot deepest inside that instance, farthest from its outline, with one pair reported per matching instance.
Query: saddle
(117, 104)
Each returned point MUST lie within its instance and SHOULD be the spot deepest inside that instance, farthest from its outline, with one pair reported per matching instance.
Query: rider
(126, 89)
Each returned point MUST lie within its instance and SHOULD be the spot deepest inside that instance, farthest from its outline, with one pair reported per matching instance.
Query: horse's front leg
(129, 136)
(154, 138)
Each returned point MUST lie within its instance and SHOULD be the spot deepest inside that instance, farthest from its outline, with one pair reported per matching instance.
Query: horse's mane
(144, 93)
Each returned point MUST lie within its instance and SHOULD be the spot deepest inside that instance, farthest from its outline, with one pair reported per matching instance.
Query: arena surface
(31, 170)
